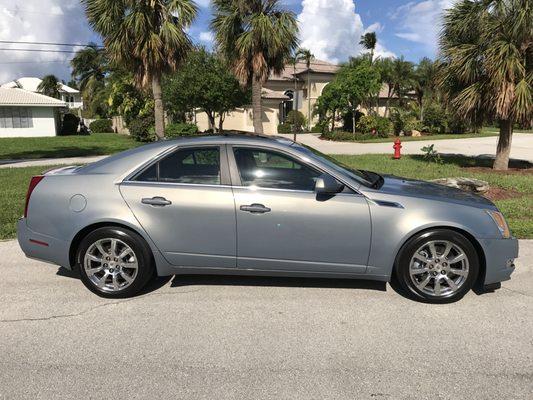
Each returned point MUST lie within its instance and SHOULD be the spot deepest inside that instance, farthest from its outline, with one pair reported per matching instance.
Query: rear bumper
(499, 257)
(42, 247)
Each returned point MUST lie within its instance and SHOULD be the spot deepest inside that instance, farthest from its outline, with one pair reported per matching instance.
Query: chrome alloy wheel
(439, 268)
(110, 264)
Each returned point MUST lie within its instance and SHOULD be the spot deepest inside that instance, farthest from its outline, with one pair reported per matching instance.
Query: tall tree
(402, 78)
(147, 37)
(487, 65)
(369, 41)
(49, 86)
(424, 82)
(89, 68)
(306, 56)
(256, 37)
(205, 81)
(386, 70)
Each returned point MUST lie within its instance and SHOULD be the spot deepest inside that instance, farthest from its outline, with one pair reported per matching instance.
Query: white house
(69, 95)
(28, 114)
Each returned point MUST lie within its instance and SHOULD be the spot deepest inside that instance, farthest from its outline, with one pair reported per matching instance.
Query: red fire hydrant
(397, 146)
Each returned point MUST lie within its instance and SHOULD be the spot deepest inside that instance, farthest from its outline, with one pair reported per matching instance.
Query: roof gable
(21, 97)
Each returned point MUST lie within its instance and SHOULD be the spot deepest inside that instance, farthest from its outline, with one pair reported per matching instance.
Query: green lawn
(64, 146)
(485, 132)
(519, 211)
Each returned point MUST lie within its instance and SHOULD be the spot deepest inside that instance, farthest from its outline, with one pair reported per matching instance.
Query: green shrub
(142, 129)
(180, 129)
(320, 127)
(382, 126)
(413, 125)
(284, 128)
(69, 125)
(435, 118)
(101, 126)
(343, 136)
(347, 120)
(297, 120)
(455, 124)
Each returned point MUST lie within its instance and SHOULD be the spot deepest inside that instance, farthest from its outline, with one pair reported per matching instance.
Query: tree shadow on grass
(57, 152)
(482, 161)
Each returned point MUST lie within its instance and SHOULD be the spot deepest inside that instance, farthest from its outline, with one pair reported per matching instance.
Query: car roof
(127, 159)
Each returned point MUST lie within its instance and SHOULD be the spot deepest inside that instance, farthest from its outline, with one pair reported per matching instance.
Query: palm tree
(402, 78)
(487, 65)
(147, 37)
(256, 36)
(424, 81)
(50, 86)
(306, 56)
(89, 68)
(369, 41)
(386, 70)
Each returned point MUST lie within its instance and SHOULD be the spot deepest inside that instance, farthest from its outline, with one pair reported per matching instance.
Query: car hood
(426, 190)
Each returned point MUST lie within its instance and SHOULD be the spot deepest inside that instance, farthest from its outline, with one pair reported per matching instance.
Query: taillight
(33, 183)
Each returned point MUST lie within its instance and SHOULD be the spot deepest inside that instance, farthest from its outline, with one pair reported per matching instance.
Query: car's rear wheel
(114, 262)
(438, 266)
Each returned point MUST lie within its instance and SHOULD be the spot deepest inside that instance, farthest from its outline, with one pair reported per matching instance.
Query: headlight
(500, 222)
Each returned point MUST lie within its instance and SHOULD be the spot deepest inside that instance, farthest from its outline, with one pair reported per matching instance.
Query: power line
(41, 50)
(52, 44)
(34, 62)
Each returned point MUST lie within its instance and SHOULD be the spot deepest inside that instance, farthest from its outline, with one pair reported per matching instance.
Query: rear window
(191, 165)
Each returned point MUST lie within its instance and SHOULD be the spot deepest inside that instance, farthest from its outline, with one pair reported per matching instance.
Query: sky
(331, 29)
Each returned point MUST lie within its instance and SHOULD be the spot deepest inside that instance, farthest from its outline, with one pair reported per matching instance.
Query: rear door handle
(255, 208)
(156, 201)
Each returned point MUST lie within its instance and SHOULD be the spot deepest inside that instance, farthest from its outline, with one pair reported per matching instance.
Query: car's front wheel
(437, 266)
(114, 262)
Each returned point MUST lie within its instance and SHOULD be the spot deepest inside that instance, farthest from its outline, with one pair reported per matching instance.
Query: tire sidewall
(137, 244)
(408, 250)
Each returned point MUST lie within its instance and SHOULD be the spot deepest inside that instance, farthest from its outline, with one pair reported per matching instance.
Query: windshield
(366, 178)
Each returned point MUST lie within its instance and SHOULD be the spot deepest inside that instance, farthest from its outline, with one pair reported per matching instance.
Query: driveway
(521, 149)
(259, 338)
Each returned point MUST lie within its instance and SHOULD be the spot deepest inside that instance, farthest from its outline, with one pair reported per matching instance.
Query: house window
(16, 117)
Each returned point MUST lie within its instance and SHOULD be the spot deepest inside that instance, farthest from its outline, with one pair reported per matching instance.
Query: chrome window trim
(156, 183)
(143, 167)
(295, 155)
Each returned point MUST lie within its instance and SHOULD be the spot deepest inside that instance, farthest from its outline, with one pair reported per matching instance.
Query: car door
(283, 225)
(185, 204)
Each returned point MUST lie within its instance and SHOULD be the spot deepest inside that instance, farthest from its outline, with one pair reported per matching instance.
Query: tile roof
(21, 97)
(272, 94)
(317, 66)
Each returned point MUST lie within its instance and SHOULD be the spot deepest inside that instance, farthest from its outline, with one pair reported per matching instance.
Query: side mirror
(326, 184)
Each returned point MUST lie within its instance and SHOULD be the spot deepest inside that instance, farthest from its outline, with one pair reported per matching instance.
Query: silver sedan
(252, 205)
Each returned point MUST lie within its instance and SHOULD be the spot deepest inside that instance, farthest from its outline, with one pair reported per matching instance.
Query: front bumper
(499, 258)
(42, 247)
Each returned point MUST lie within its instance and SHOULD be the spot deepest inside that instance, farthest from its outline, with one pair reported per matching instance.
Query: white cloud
(420, 21)
(332, 29)
(57, 21)
(206, 37)
(203, 3)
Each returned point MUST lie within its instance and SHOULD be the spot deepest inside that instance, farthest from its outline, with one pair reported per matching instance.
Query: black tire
(142, 253)
(407, 253)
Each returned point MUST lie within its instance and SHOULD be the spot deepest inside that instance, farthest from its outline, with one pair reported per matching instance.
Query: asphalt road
(259, 338)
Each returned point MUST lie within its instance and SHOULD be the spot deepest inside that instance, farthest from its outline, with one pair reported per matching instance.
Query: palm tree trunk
(159, 112)
(501, 162)
(295, 99)
(308, 100)
(256, 106)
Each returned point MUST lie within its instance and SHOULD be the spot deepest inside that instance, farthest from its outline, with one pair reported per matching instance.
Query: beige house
(280, 97)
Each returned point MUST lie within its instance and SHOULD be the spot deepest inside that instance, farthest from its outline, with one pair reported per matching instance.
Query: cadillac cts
(254, 205)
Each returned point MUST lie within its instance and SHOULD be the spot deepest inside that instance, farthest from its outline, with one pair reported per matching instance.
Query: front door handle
(156, 201)
(255, 208)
